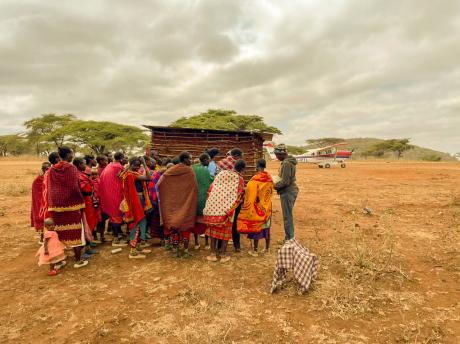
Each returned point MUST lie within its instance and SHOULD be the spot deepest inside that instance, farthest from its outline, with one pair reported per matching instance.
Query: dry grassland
(391, 276)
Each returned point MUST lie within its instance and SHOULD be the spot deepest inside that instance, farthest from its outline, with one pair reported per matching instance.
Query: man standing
(286, 187)
(111, 195)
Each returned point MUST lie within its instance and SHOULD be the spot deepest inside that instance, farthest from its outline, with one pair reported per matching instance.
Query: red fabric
(200, 228)
(36, 216)
(227, 163)
(222, 232)
(63, 201)
(111, 191)
(178, 192)
(100, 169)
(93, 215)
(68, 226)
(134, 211)
(63, 192)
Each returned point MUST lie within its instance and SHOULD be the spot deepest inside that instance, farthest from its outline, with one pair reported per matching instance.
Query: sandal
(187, 254)
(224, 259)
(253, 253)
(212, 258)
(80, 264)
(136, 255)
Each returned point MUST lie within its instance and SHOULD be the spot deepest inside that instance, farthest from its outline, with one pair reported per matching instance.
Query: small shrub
(432, 157)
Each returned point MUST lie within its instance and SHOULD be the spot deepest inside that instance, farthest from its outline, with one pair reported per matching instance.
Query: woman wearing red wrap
(36, 216)
(64, 204)
(87, 185)
(136, 203)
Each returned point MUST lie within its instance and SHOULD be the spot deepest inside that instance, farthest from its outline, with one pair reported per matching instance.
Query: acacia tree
(397, 146)
(225, 120)
(102, 136)
(13, 145)
(43, 130)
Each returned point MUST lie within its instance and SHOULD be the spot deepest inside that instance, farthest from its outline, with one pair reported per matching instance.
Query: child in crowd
(51, 252)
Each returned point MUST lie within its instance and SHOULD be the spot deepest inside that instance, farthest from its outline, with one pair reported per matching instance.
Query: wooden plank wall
(170, 143)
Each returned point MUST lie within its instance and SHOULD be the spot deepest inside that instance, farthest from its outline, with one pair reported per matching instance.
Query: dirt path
(393, 276)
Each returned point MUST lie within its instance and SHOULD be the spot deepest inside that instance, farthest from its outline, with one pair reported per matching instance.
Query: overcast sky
(312, 68)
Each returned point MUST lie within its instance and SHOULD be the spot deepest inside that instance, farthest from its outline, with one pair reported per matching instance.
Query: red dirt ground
(389, 277)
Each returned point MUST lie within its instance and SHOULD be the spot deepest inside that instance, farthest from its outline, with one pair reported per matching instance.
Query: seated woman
(224, 196)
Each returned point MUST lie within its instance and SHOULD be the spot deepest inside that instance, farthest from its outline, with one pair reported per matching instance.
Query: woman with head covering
(225, 195)
(136, 203)
(256, 211)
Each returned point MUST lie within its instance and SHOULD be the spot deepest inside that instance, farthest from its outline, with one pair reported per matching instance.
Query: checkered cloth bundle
(293, 256)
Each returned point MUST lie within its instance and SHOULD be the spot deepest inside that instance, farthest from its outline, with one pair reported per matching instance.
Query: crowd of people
(79, 203)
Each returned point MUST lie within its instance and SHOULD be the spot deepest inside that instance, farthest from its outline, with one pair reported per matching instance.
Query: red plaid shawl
(63, 193)
(227, 163)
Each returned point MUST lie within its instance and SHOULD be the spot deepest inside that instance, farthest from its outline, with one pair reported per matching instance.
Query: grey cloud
(313, 68)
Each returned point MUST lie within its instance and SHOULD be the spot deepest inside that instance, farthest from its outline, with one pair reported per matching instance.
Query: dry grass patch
(15, 189)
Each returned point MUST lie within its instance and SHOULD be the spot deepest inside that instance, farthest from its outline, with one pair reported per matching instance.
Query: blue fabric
(139, 232)
(212, 167)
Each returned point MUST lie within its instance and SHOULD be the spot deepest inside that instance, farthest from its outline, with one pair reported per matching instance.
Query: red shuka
(36, 216)
(133, 209)
(93, 215)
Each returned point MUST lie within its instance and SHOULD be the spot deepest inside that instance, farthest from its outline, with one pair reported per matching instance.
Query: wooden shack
(170, 141)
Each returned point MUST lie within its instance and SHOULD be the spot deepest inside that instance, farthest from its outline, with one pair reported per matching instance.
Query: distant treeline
(47, 132)
(373, 148)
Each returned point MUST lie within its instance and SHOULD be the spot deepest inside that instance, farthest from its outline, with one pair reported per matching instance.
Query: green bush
(431, 157)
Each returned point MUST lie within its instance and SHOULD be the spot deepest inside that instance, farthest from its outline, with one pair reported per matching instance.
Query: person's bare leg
(256, 245)
(223, 248)
(223, 257)
(187, 254)
(77, 251)
(213, 256)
